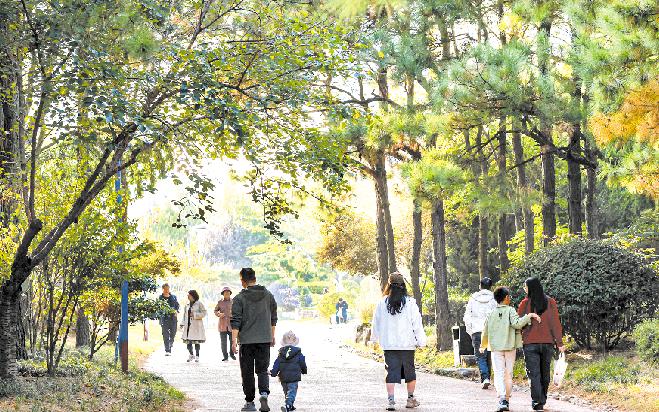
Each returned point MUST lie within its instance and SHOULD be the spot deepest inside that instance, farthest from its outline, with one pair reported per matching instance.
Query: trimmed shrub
(602, 291)
(646, 336)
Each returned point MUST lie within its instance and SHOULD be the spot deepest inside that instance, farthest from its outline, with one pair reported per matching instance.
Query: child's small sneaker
(412, 403)
(190, 358)
(287, 408)
(264, 403)
(486, 383)
(196, 359)
(391, 405)
(249, 407)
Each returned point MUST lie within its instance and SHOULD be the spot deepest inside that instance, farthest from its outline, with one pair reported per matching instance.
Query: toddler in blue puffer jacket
(290, 365)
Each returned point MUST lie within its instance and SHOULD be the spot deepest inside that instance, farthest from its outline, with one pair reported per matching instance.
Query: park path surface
(338, 379)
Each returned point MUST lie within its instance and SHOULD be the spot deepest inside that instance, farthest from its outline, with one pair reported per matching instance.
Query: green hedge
(646, 336)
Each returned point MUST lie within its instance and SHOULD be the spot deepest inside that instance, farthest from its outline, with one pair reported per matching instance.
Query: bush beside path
(338, 380)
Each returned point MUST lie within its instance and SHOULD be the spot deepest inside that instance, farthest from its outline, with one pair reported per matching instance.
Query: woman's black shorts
(399, 365)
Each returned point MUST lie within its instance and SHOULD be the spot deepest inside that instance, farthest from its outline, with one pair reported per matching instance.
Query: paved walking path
(338, 380)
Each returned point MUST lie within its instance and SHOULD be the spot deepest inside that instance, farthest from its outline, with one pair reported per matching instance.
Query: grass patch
(99, 385)
(602, 375)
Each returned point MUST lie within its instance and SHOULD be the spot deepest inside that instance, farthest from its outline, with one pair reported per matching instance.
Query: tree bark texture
(442, 311)
(415, 271)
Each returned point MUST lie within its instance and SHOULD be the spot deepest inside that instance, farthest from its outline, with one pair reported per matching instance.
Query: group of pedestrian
(341, 311)
(247, 326)
(498, 330)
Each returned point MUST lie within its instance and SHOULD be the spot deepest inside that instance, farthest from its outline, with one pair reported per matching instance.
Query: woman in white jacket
(397, 327)
(192, 325)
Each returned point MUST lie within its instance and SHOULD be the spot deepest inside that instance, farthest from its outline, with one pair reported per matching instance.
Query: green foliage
(646, 337)
(602, 291)
(600, 375)
(349, 244)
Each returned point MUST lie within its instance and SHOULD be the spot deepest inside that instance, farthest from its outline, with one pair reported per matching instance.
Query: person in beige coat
(192, 325)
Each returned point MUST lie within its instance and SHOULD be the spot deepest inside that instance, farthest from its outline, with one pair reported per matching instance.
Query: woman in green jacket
(501, 336)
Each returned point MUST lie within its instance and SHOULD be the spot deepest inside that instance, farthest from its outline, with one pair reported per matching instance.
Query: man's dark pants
(481, 358)
(169, 326)
(225, 338)
(255, 358)
(537, 357)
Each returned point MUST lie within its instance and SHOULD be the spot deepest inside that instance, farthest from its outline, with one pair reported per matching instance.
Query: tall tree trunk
(591, 190)
(381, 241)
(523, 187)
(82, 329)
(21, 349)
(481, 170)
(504, 263)
(8, 314)
(415, 272)
(547, 155)
(575, 209)
(442, 312)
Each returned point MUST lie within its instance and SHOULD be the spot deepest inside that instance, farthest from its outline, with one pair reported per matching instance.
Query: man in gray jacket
(253, 321)
(479, 306)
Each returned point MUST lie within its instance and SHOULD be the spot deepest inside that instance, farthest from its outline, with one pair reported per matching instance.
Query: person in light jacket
(502, 337)
(397, 327)
(480, 305)
(192, 325)
(223, 312)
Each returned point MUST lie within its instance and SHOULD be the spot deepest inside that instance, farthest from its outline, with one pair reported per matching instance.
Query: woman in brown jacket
(539, 339)
(223, 311)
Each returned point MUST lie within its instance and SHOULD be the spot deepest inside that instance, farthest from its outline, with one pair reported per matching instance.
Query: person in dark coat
(290, 365)
(169, 322)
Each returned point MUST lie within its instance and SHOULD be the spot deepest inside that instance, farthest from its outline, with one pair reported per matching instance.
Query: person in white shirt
(479, 307)
(397, 327)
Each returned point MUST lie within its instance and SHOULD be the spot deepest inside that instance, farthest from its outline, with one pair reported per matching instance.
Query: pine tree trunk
(82, 329)
(442, 312)
(504, 263)
(481, 170)
(415, 272)
(591, 204)
(574, 190)
(523, 186)
(547, 156)
(381, 239)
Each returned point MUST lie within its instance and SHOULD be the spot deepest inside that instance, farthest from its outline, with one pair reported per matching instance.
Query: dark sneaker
(249, 407)
(264, 403)
(486, 383)
(538, 407)
(225, 359)
(233, 356)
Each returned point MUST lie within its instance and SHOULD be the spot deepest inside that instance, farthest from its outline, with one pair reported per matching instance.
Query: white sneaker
(391, 406)
(196, 359)
(486, 383)
(190, 358)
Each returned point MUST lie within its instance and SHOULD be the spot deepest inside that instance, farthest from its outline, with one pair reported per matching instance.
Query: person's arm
(467, 318)
(484, 338)
(273, 318)
(517, 322)
(217, 310)
(236, 322)
(555, 325)
(200, 313)
(375, 324)
(176, 305)
(417, 325)
(275, 368)
(303, 364)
